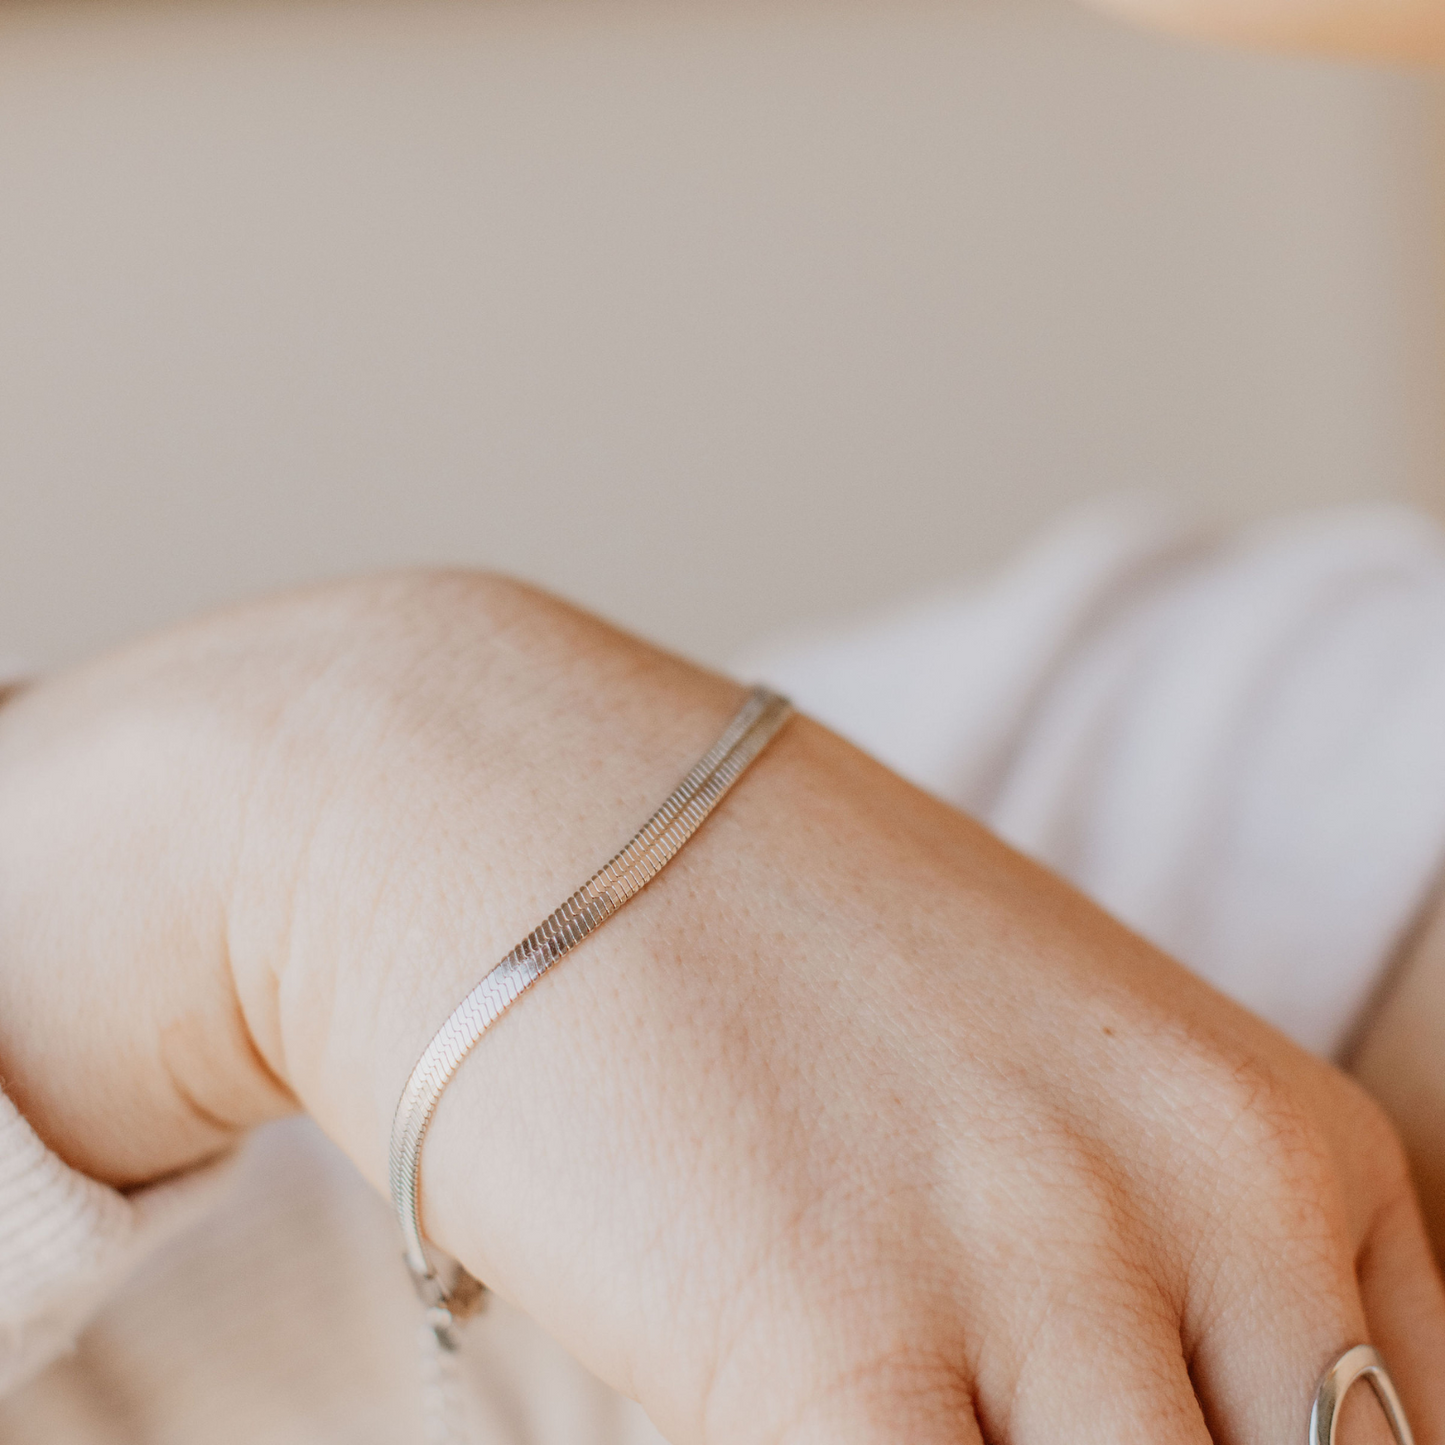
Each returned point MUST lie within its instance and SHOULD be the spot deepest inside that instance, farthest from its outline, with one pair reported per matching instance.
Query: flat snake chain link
(655, 844)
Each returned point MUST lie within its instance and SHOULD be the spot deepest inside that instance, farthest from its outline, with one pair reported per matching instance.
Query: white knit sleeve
(1236, 744)
(66, 1242)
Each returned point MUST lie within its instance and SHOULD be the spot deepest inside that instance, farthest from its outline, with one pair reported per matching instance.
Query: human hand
(854, 1126)
(1397, 1057)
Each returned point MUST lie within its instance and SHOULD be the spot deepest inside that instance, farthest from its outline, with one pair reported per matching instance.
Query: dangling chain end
(448, 1305)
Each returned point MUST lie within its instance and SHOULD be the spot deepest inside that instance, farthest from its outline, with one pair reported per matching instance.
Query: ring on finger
(1360, 1362)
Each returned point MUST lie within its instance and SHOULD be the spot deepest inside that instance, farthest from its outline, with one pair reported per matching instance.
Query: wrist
(470, 751)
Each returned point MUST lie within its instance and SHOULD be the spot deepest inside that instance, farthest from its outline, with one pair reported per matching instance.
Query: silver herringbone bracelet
(656, 843)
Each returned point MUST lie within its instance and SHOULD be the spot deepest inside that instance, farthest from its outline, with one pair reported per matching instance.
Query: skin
(1398, 1055)
(854, 1127)
(1396, 30)
(1398, 1058)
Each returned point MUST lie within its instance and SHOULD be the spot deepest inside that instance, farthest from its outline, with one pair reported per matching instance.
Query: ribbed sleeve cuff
(66, 1242)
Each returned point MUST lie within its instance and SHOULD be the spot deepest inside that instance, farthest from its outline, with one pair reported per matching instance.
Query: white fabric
(1236, 744)
(66, 1242)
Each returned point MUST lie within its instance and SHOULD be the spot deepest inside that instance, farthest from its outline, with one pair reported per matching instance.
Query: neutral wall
(713, 315)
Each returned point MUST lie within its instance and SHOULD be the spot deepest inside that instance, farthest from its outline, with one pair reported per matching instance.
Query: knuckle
(1251, 1113)
(1384, 1187)
(1268, 1147)
(911, 1391)
(1381, 1150)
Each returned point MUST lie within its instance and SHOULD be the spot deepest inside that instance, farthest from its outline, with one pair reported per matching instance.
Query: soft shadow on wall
(712, 315)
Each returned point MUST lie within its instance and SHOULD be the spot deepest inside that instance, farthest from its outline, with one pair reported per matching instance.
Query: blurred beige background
(714, 315)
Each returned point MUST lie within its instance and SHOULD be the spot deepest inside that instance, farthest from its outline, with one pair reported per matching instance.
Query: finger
(1107, 1370)
(1278, 1320)
(1404, 1304)
(882, 1407)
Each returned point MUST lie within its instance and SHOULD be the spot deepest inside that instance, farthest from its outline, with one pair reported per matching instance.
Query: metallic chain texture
(656, 843)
